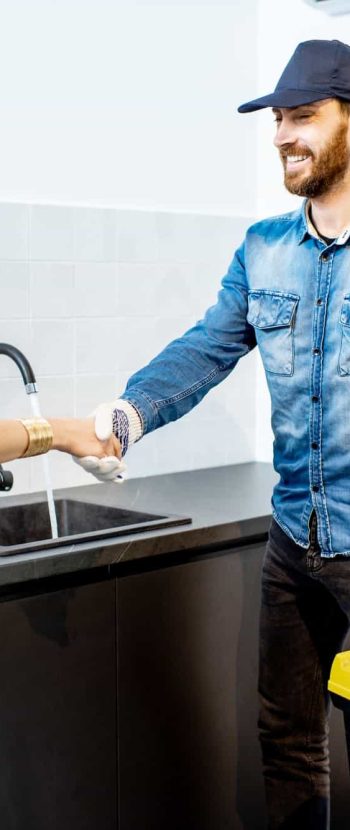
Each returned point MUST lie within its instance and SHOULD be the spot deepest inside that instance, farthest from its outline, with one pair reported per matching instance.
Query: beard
(328, 169)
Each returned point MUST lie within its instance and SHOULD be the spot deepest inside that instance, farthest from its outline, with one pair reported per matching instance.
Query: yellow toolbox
(339, 680)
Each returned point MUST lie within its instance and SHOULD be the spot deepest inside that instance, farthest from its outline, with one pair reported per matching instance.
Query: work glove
(109, 468)
(104, 469)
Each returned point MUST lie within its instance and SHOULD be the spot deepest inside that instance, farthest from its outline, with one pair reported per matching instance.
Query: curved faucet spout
(23, 365)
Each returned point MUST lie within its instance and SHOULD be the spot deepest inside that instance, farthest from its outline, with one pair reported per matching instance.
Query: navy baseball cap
(318, 69)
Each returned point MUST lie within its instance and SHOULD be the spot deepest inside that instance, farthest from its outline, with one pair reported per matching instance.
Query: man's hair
(344, 106)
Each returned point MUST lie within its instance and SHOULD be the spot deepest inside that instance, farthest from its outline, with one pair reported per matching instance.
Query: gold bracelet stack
(40, 435)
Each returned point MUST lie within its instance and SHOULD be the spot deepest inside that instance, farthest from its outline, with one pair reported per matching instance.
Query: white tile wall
(97, 345)
(138, 237)
(167, 288)
(51, 289)
(91, 389)
(95, 234)
(96, 289)
(90, 295)
(52, 347)
(14, 288)
(51, 233)
(14, 232)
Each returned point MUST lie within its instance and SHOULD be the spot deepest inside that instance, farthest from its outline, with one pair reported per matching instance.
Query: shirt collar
(304, 222)
(307, 228)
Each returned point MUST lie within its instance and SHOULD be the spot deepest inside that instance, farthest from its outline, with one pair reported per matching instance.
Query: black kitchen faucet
(6, 478)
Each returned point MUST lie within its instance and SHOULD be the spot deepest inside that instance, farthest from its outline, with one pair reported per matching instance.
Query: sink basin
(26, 527)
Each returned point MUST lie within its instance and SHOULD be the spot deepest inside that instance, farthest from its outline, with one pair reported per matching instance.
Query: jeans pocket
(272, 313)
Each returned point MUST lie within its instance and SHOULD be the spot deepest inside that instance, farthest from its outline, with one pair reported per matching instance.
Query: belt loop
(313, 531)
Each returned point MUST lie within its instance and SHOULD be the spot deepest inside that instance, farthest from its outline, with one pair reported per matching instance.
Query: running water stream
(34, 401)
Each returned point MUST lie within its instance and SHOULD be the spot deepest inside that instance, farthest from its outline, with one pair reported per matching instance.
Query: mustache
(294, 150)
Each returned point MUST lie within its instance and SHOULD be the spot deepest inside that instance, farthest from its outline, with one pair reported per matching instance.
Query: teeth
(294, 159)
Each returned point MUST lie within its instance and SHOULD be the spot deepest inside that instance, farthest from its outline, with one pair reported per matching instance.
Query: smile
(296, 161)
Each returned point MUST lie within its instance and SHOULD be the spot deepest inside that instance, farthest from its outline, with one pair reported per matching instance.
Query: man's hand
(110, 419)
(77, 436)
(104, 469)
(103, 453)
(104, 420)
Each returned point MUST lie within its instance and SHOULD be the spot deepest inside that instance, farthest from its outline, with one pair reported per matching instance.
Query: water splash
(34, 402)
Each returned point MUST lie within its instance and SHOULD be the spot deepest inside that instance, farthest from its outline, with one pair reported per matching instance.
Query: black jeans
(304, 617)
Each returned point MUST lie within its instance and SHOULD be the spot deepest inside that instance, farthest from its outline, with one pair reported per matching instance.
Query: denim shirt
(288, 292)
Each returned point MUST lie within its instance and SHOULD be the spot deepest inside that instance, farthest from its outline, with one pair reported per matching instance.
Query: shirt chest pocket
(344, 353)
(272, 313)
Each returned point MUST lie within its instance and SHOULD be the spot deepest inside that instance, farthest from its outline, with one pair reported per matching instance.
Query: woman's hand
(77, 436)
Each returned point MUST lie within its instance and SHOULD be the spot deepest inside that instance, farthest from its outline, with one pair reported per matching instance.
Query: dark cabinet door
(187, 695)
(58, 710)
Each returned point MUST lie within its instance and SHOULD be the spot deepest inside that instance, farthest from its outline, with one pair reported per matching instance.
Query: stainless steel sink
(26, 527)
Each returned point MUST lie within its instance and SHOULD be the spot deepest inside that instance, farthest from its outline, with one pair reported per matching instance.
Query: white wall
(281, 27)
(115, 102)
(106, 107)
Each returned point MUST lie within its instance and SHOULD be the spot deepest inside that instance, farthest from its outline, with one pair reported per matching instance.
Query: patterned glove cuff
(121, 428)
(134, 418)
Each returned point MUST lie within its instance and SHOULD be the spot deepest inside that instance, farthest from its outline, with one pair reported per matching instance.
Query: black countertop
(228, 505)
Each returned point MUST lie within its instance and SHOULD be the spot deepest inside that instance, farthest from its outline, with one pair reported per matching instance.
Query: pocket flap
(345, 312)
(270, 309)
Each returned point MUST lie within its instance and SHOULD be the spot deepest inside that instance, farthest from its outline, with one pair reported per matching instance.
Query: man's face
(314, 145)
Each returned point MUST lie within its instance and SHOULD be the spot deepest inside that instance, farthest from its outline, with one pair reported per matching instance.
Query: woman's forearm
(72, 435)
(14, 440)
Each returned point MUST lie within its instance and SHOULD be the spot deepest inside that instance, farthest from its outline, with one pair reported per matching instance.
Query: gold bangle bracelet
(40, 434)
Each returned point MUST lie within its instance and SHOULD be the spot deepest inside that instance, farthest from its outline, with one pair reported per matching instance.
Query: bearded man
(287, 290)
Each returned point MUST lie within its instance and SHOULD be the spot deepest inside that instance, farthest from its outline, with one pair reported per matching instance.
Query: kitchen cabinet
(128, 693)
(187, 646)
(58, 710)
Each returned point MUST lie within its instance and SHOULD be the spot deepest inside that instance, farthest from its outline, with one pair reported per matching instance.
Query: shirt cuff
(135, 423)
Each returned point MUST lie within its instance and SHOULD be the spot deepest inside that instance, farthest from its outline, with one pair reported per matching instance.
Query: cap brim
(285, 98)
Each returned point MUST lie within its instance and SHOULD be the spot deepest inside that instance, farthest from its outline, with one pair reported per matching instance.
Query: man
(287, 290)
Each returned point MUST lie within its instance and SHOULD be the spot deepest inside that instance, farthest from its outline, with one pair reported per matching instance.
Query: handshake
(118, 424)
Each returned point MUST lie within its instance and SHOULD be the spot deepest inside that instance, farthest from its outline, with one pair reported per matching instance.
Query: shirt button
(324, 257)
(315, 399)
(317, 351)
(314, 445)
(315, 488)
(319, 301)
